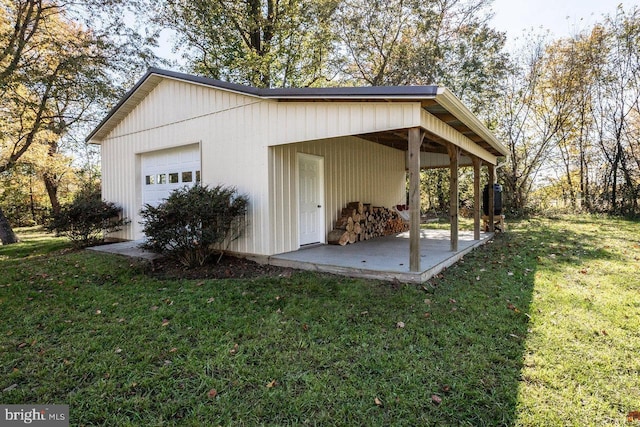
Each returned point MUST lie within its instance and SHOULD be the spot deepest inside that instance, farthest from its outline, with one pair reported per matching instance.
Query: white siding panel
(291, 122)
(355, 170)
(172, 102)
(236, 132)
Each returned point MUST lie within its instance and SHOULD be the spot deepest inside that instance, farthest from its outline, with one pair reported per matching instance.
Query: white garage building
(299, 154)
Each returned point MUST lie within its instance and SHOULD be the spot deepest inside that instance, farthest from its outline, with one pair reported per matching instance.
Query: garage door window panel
(164, 171)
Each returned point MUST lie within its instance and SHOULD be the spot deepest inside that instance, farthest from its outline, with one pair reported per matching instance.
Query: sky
(562, 17)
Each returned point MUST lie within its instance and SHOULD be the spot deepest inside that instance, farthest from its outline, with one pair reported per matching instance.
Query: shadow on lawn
(484, 341)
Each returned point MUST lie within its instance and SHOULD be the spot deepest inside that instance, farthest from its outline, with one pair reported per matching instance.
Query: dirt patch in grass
(229, 267)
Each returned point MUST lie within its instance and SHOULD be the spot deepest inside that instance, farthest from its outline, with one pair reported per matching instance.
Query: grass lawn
(541, 327)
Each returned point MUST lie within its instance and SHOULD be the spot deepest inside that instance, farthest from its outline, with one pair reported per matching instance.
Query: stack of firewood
(361, 221)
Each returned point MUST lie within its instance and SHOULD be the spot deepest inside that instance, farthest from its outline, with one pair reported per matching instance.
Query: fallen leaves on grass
(633, 416)
(165, 322)
(212, 393)
(377, 401)
(272, 384)
(436, 399)
(234, 350)
(513, 308)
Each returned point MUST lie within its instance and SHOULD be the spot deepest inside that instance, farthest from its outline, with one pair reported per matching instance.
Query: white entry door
(311, 198)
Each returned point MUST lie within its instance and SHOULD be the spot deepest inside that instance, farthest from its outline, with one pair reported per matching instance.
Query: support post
(454, 161)
(477, 208)
(492, 197)
(416, 136)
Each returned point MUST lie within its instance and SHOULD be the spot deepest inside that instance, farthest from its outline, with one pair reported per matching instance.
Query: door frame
(321, 215)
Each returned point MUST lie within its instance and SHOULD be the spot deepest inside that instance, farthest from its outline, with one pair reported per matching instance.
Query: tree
(400, 42)
(618, 91)
(55, 72)
(535, 116)
(377, 38)
(264, 43)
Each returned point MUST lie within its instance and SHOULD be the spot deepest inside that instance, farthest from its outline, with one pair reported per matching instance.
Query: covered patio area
(384, 258)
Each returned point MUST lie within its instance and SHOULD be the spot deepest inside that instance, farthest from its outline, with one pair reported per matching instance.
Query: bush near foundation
(194, 223)
(87, 218)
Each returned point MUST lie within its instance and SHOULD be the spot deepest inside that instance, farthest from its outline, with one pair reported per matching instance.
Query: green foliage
(255, 42)
(195, 222)
(85, 220)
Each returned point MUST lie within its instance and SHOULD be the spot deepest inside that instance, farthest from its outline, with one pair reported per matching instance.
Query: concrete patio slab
(382, 258)
(129, 248)
(385, 258)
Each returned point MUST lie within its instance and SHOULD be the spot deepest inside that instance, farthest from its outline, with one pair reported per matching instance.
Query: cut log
(357, 206)
(350, 224)
(357, 228)
(338, 237)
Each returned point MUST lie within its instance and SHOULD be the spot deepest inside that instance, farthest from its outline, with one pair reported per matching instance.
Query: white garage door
(164, 171)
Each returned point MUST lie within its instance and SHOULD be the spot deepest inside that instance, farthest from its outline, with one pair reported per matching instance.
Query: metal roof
(436, 100)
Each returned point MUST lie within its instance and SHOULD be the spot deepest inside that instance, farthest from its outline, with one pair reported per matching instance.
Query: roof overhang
(437, 102)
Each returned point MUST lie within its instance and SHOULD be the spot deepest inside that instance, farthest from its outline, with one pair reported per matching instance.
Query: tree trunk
(7, 236)
(51, 184)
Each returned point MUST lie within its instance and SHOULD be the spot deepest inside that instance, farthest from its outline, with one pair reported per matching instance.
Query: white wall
(235, 132)
(355, 170)
(173, 114)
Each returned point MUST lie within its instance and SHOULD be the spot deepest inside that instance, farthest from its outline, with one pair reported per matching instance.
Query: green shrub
(85, 220)
(194, 223)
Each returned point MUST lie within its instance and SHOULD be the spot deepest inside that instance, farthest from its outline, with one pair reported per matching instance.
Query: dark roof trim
(203, 81)
(308, 92)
